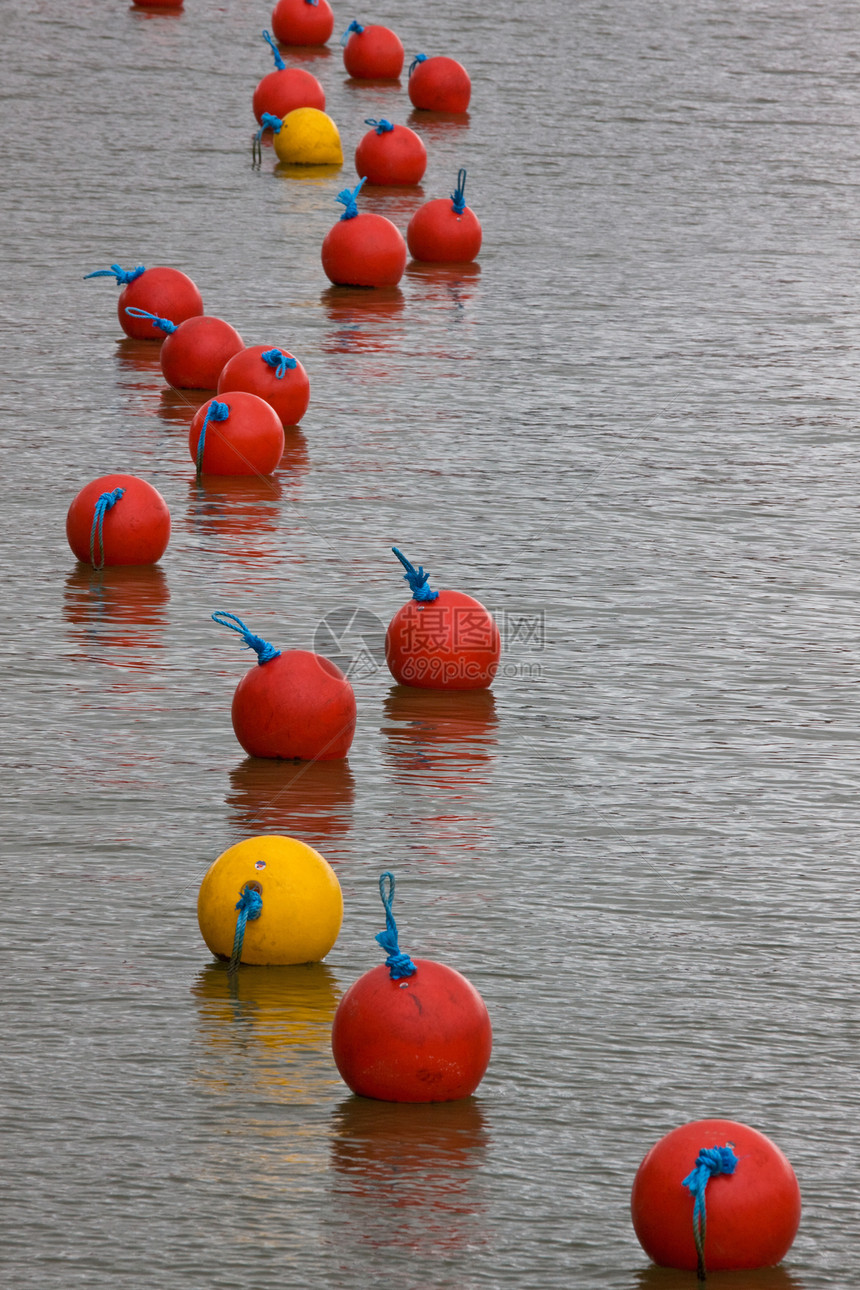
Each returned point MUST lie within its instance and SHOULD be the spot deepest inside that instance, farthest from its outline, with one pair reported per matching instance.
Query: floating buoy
(723, 1172)
(195, 351)
(157, 4)
(302, 22)
(245, 436)
(273, 375)
(372, 53)
(441, 640)
(305, 137)
(118, 519)
(288, 898)
(445, 230)
(390, 154)
(410, 1030)
(363, 250)
(292, 704)
(159, 290)
(285, 89)
(439, 84)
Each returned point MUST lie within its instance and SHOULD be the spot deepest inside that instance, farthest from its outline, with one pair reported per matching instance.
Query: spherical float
(441, 640)
(439, 84)
(299, 910)
(390, 154)
(294, 704)
(285, 89)
(159, 291)
(724, 1172)
(445, 230)
(302, 22)
(411, 1030)
(372, 53)
(272, 374)
(194, 352)
(363, 250)
(118, 520)
(305, 137)
(240, 434)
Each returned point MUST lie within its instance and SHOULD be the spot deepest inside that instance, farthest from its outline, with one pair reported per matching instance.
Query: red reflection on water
(778, 1278)
(296, 461)
(139, 356)
(304, 53)
(178, 407)
(398, 204)
(309, 800)
(121, 606)
(437, 125)
(364, 318)
(440, 733)
(240, 513)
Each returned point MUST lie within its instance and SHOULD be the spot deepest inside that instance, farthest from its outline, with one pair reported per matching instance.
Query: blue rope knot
(123, 276)
(265, 652)
(709, 1162)
(382, 126)
(458, 197)
(105, 502)
(347, 198)
(250, 907)
(353, 26)
(274, 123)
(312, 1)
(398, 963)
(279, 62)
(277, 358)
(419, 58)
(215, 412)
(416, 578)
(164, 323)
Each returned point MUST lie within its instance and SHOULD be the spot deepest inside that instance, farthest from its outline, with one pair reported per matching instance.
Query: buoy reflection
(239, 513)
(123, 605)
(316, 175)
(440, 735)
(778, 1278)
(365, 319)
(176, 407)
(438, 125)
(309, 800)
(138, 355)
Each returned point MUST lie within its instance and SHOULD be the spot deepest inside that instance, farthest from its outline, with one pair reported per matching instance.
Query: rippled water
(631, 433)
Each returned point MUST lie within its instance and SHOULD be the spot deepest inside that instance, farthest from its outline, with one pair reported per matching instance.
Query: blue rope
(279, 62)
(710, 1161)
(250, 907)
(269, 119)
(263, 649)
(123, 276)
(458, 197)
(347, 198)
(382, 126)
(419, 58)
(312, 1)
(215, 412)
(416, 578)
(277, 358)
(353, 26)
(398, 963)
(103, 505)
(164, 323)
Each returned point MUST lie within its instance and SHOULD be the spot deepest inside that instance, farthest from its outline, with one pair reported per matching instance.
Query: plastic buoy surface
(302, 22)
(249, 440)
(302, 904)
(752, 1214)
(194, 352)
(445, 230)
(280, 379)
(372, 53)
(165, 292)
(390, 154)
(439, 84)
(282, 92)
(363, 250)
(157, 4)
(132, 529)
(307, 137)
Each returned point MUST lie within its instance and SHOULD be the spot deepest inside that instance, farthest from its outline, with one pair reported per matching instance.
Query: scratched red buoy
(372, 53)
(194, 352)
(302, 22)
(272, 374)
(162, 291)
(411, 1030)
(363, 249)
(441, 640)
(752, 1212)
(118, 520)
(390, 154)
(292, 704)
(286, 88)
(246, 439)
(445, 230)
(439, 84)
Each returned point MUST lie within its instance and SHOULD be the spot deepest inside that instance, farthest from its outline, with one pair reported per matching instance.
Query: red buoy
(159, 290)
(195, 351)
(118, 519)
(439, 84)
(445, 230)
(273, 375)
(157, 4)
(285, 89)
(390, 154)
(751, 1201)
(441, 640)
(241, 435)
(294, 704)
(372, 53)
(411, 1030)
(302, 22)
(363, 250)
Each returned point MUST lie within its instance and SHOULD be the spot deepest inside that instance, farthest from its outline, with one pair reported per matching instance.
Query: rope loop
(347, 198)
(354, 26)
(164, 323)
(105, 503)
(265, 652)
(419, 58)
(416, 578)
(123, 276)
(250, 907)
(382, 126)
(458, 197)
(278, 359)
(280, 65)
(710, 1161)
(398, 963)
(215, 412)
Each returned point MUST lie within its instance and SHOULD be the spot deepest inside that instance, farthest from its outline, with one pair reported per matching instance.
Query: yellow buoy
(302, 904)
(308, 137)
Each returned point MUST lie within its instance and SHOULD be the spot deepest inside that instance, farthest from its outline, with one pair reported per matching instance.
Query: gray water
(631, 433)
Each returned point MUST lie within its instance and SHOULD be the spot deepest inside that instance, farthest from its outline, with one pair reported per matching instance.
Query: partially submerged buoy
(285, 89)
(439, 84)
(390, 154)
(272, 374)
(118, 520)
(305, 137)
(302, 22)
(194, 351)
(363, 250)
(239, 434)
(445, 230)
(160, 290)
(372, 53)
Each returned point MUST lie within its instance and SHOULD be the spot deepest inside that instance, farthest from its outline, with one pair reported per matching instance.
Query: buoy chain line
(398, 963)
(709, 1162)
(264, 650)
(105, 503)
(250, 906)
